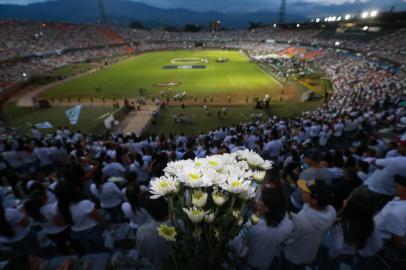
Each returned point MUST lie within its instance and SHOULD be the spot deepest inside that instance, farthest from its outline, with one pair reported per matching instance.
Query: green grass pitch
(21, 118)
(238, 78)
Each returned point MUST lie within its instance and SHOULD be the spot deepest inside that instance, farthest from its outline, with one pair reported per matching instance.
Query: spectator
(310, 224)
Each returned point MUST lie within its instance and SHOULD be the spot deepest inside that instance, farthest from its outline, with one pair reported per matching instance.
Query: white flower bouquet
(208, 202)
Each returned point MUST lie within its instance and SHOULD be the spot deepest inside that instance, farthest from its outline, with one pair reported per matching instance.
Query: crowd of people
(25, 38)
(335, 197)
(52, 42)
(19, 71)
(343, 187)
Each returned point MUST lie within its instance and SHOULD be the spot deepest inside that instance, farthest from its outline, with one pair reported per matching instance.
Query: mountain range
(125, 11)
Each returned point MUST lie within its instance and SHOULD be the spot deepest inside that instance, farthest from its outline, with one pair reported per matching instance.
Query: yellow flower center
(196, 212)
(218, 196)
(194, 176)
(236, 184)
(213, 163)
(198, 195)
(163, 184)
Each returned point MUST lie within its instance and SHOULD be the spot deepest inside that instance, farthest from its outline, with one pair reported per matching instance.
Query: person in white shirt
(250, 141)
(42, 154)
(381, 182)
(133, 209)
(12, 157)
(43, 212)
(108, 194)
(15, 232)
(36, 134)
(310, 224)
(274, 146)
(58, 154)
(362, 170)
(86, 222)
(353, 230)
(391, 220)
(263, 240)
(138, 167)
(149, 244)
(113, 168)
(338, 130)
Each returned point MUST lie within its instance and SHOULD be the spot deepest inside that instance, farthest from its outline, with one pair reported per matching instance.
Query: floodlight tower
(103, 17)
(282, 12)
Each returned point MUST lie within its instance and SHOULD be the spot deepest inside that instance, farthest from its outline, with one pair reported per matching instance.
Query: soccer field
(196, 72)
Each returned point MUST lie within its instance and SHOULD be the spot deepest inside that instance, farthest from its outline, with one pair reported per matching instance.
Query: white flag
(108, 122)
(43, 125)
(73, 114)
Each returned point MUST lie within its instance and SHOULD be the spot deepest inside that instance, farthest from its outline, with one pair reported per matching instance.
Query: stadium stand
(64, 189)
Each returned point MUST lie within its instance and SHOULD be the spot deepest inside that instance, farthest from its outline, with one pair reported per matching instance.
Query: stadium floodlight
(347, 17)
(326, 19)
(298, 25)
(365, 28)
(274, 25)
(337, 43)
(338, 18)
(24, 74)
(333, 19)
(373, 13)
(364, 14)
(317, 20)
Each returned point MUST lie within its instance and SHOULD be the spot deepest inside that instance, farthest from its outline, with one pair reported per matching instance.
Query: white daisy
(163, 186)
(196, 215)
(199, 198)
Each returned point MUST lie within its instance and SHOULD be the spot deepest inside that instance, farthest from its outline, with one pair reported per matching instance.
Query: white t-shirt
(250, 142)
(113, 169)
(309, 228)
(48, 211)
(335, 241)
(142, 173)
(264, 241)
(13, 217)
(381, 181)
(152, 246)
(138, 218)
(273, 147)
(391, 220)
(392, 153)
(13, 158)
(109, 195)
(336, 172)
(42, 155)
(80, 212)
(338, 129)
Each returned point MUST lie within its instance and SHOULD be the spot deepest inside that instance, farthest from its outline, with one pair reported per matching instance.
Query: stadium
(200, 139)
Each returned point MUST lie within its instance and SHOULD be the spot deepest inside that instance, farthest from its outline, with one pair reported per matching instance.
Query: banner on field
(73, 114)
(108, 122)
(43, 125)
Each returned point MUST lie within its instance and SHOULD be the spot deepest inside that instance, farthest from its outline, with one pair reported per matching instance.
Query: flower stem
(232, 203)
(173, 257)
(196, 239)
(172, 212)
